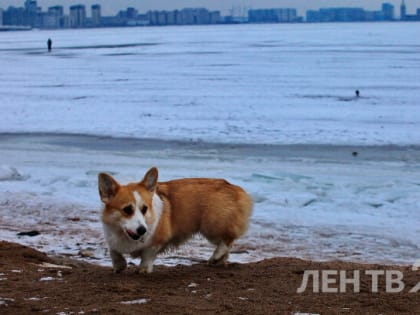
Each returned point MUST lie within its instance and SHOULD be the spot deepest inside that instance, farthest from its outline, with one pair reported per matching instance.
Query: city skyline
(112, 7)
(32, 15)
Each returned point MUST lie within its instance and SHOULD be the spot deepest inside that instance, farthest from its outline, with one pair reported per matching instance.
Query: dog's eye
(128, 210)
(144, 210)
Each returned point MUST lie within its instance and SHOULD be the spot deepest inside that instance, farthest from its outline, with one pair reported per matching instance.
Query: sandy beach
(32, 282)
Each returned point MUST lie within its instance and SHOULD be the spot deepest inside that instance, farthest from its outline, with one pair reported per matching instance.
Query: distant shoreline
(12, 28)
(9, 28)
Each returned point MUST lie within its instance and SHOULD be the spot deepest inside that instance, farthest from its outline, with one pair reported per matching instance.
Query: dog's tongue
(133, 235)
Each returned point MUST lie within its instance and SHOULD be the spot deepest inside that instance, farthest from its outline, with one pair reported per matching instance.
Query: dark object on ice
(49, 44)
(355, 153)
(29, 233)
(357, 93)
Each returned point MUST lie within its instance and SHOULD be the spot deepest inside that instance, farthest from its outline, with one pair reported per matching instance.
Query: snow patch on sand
(133, 302)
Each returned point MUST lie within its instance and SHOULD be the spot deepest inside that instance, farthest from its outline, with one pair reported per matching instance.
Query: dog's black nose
(141, 230)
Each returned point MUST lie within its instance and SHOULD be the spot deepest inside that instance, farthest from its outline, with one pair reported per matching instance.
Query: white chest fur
(121, 243)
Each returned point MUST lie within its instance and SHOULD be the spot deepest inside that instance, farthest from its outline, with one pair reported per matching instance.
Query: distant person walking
(49, 44)
(357, 93)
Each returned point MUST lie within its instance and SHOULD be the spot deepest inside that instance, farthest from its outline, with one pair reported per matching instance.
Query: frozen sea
(269, 107)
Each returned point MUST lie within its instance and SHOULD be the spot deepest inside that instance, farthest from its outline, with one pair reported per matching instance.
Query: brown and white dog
(146, 218)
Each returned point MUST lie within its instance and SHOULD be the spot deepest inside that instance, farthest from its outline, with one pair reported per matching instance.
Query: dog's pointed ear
(150, 179)
(108, 187)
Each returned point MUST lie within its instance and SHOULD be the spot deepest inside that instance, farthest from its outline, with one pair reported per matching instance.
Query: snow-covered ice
(268, 107)
(255, 83)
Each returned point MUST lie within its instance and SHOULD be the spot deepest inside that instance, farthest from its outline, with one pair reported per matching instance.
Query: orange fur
(212, 207)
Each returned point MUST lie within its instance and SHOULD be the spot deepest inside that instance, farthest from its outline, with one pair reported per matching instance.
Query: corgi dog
(146, 218)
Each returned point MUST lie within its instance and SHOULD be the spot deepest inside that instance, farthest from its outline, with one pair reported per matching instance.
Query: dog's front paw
(119, 268)
(119, 263)
(145, 269)
(141, 271)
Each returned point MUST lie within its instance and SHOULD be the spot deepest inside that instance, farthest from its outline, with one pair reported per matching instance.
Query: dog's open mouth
(132, 234)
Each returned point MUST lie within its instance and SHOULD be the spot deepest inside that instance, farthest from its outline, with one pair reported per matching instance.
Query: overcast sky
(111, 7)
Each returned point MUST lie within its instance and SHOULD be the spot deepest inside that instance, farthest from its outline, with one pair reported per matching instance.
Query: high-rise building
(1, 16)
(408, 17)
(77, 16)
(190, 16)
(96, 15)
(54, 17)
(31, 13)
(171, 17)
(340, 15)
(31, 6)
(152, 17)
(215, 17)
(15, 16)
(272, 16)
(132, 13)
(161, 18)
(388, 11)
(57, 10)
(403, 10)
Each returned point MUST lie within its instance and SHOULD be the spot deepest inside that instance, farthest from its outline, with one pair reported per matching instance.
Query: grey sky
(111, 7)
